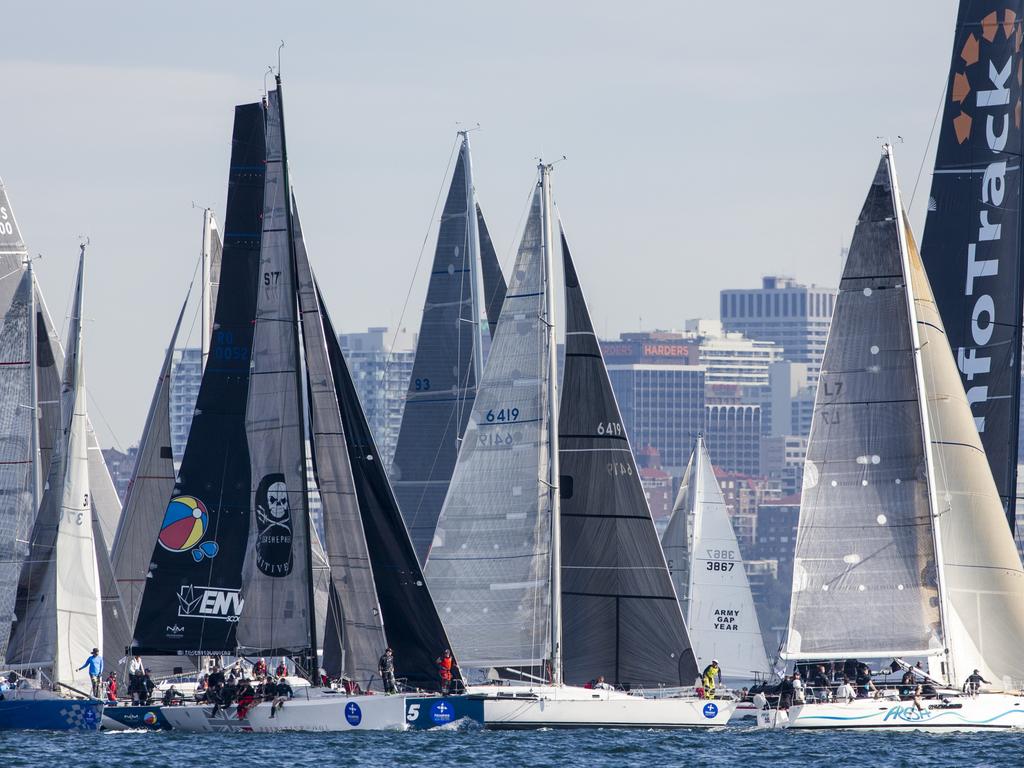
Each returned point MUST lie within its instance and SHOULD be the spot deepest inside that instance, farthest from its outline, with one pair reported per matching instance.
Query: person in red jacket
(444, 669)
(112, 688)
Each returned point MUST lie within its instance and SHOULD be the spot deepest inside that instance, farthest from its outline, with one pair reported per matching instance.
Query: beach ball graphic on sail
(184, 525)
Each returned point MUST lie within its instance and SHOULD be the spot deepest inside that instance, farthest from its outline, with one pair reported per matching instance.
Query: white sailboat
(707, 570)
(902, 547)
(522, 587)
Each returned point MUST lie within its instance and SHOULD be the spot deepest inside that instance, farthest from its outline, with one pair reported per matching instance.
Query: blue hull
(148, 718)
(50, 714)
(434, 711)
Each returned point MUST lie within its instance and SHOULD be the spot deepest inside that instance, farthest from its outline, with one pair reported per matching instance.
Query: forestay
(489, 568)
(864, 577)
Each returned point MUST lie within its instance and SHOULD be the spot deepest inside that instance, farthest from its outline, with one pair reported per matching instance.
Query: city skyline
(676, 187)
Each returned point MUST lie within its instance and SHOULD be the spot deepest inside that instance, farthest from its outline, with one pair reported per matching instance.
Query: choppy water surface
(734, 747)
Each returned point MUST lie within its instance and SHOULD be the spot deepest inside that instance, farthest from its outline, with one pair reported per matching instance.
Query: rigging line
(419, 259)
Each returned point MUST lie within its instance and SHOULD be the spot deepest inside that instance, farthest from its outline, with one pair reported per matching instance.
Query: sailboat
(449, 355)
(545, 563)
(707, 570)
(232, 570)
(902, 549)
(58, 607)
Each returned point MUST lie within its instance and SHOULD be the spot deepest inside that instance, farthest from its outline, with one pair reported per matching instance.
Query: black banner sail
(191, 603)
(972, 240)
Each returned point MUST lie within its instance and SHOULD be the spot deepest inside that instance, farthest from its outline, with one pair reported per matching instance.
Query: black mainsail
(192, 600)
(620, 615)
(444, 377)
(972, 238)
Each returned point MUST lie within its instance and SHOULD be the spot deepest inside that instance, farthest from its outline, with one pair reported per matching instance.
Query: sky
(707, 144)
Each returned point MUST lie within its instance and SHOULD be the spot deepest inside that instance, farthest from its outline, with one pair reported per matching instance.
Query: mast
(205, 292)
(473, 238)
(933, 501)
(313, 667)
(553, 493)
(33, 351)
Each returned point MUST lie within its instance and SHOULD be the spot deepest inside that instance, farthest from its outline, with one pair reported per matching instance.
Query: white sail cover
(719, 606)
(17, 464)
(982, 576)
(864, 579)
(489, 568)
(275, 577)
(61, 617)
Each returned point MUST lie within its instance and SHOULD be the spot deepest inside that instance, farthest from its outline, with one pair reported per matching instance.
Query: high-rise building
(794, 316)
(733, 437)
(790, 403)
(658, 485)
(737, 367)
(776, 533)
(121, 466)
(186, 376)
(782, 460)
(662, 407)
(380, 361)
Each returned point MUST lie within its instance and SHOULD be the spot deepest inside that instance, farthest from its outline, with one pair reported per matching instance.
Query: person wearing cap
(712, 673)
(973, 684)
(95, 665)
(386, 667)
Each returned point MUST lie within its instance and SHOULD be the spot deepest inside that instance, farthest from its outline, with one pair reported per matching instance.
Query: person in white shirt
(845, 691)
(601, 685)
(798, 689)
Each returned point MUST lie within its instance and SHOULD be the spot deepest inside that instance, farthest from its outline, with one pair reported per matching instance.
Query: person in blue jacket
(95, 665)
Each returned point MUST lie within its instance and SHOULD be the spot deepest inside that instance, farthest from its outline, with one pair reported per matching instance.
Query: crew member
(974, 681)
(444, 669)
(386, 667)
(712, 673)
(95, 665)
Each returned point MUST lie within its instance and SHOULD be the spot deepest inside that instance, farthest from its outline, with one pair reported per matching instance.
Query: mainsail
(972, 237)
(864, 573)
(444, 377)
(620, 615)
(60, 616)
(489, 568)
(708, 572)
(279, 615)
(191, 603)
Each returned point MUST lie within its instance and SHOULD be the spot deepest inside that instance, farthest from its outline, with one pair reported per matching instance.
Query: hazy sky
(708, 144)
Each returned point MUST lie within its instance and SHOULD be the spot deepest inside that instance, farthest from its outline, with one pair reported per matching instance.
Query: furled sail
(277, 571)
(443, 382)
(620, 615)
(354, 636)
(982, 577)
(151, 486)
(972, 237)
(719, 607)
(60, 615)
(17, 459)
(494, 280)
(489, 567)
(191, 602)
(864, 574)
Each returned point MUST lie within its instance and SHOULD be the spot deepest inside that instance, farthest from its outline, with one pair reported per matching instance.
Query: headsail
(719, 607)
(489, 568)
(191, 602)
(864, 573)
(276, 574)
(443, 382)
(972, 238)
(494, 280)
(620, 615)
(676, 541)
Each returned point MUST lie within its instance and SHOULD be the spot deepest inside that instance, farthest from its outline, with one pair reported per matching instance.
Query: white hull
(986, 711)
(543, 706)
(326, 712)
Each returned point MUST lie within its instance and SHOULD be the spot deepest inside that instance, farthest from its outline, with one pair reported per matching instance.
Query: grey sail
(443, 382)
(354, 636)
(276, 572)
(17, 459)
(494, 280)
(489, 567)
(620, 615)
(864, 574)
(151, 486)
(675, 541)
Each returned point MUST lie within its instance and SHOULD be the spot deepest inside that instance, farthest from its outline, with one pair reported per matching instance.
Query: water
(734, 747)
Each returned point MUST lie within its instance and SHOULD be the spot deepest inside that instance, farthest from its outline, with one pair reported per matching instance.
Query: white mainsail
(716, 598)
(489, 569)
